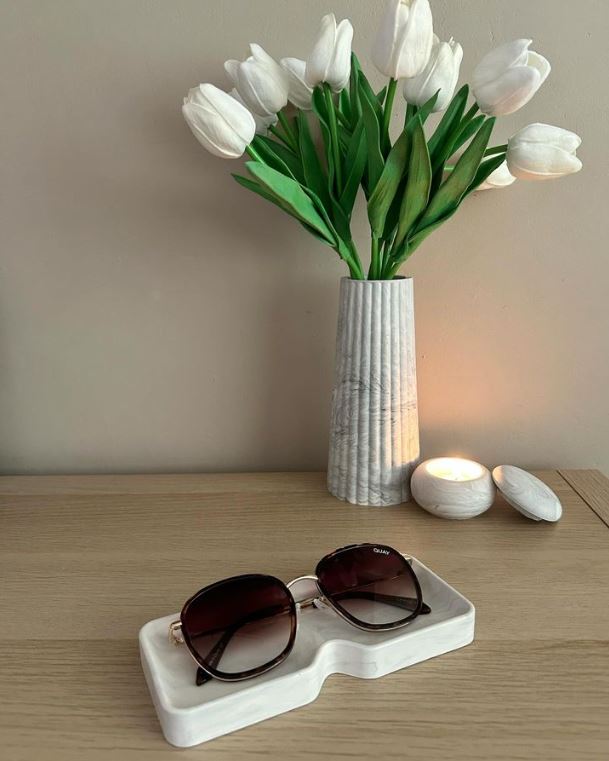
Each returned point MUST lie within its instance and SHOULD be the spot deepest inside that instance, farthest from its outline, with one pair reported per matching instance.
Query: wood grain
(85, 561)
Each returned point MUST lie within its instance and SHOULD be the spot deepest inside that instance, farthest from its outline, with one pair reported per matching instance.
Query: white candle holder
(453, 488)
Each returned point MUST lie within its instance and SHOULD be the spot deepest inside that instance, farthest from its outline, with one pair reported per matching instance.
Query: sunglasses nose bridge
(305, 590)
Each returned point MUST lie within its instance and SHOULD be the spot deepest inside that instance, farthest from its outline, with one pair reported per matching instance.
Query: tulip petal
(457, 61)
(235, 115)
(547, 133)
(504, 57)
(541, 162)
(197, 127)
(416, 40)
(319, 61)
(509, 92)
(260, 55)
(213, 132)
(383, 50)
(541, 64)
(262, 122)
(339, 70)
(500, 178)
(415, 88)
(232, 69)
(232, 117)
(262, 92)
(441, 73)
(300, 92)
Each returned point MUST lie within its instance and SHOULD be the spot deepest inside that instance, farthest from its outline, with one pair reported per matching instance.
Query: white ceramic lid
(527, 494)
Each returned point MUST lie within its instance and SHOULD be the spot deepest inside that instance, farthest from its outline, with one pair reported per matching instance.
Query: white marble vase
(374, 429)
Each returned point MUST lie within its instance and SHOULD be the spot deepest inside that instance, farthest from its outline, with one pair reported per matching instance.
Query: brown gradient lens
(240, 627)
(371, 584)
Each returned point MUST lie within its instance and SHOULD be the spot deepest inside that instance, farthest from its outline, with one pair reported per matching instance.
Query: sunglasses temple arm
(407, 603)
(202, 677)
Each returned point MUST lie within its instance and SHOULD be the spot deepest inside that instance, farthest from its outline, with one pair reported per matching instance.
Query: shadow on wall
(292, 312)
(298, 364)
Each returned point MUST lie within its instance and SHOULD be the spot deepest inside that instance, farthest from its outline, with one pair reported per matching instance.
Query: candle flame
(454, 469)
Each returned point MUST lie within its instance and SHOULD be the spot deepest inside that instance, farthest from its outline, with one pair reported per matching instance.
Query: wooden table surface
(85, 561)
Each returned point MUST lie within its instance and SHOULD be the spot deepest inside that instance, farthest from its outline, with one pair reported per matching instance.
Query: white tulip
(507, 78)
(300, 92)
(441, 73)
(218, 121)
(262, 122)
(404, 40)
(330, 59)
(260, 81)
(543, 152)
(500, 178)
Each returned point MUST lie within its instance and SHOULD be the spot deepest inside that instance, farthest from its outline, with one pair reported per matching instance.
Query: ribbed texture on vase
(374, 429)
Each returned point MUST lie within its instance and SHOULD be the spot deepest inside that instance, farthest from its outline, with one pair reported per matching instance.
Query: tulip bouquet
(316, 132)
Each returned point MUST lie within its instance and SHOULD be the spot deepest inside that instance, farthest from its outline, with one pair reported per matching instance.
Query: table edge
(593, 488)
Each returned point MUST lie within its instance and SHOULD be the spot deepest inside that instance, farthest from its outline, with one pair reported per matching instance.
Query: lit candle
(451, 487)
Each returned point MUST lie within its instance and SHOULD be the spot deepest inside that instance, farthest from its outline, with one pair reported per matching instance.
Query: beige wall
(155, 316)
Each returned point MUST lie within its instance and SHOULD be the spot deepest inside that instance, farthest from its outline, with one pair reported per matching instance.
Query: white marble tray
(325, 644)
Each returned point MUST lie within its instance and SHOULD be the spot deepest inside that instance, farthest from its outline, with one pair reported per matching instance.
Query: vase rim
(397, 279)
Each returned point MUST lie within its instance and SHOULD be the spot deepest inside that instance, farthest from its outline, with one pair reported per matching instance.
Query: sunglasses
(244, 626)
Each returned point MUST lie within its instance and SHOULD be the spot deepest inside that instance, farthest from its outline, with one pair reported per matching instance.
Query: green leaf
(355, 164)
(365, 87)
(393, 215)
(256, 188)
(319, 108)
(315, 177)
(448, 126)
(291, 197)
(252, 185)
(485, 169)
(356, 109)
(449, 196)
(419, 237)
(344, 104)
(418, 185)
(339, 228)
(376, 100)
(388, 183)
(344, 138)
(425, 110)
(278, 156)
(372, 127)
(342, 222)
(466, 131)
(340, 235)
(410, 245)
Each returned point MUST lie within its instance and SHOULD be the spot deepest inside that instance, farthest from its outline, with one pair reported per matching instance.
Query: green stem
(494, 151)
(390, 272)
(287, 128)
(386, 266)
(353, 262)
(383, 259)
(357, 262)
(393, 83)
(338, 170)
(393, 267)
(254, 154)
(374, 272)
